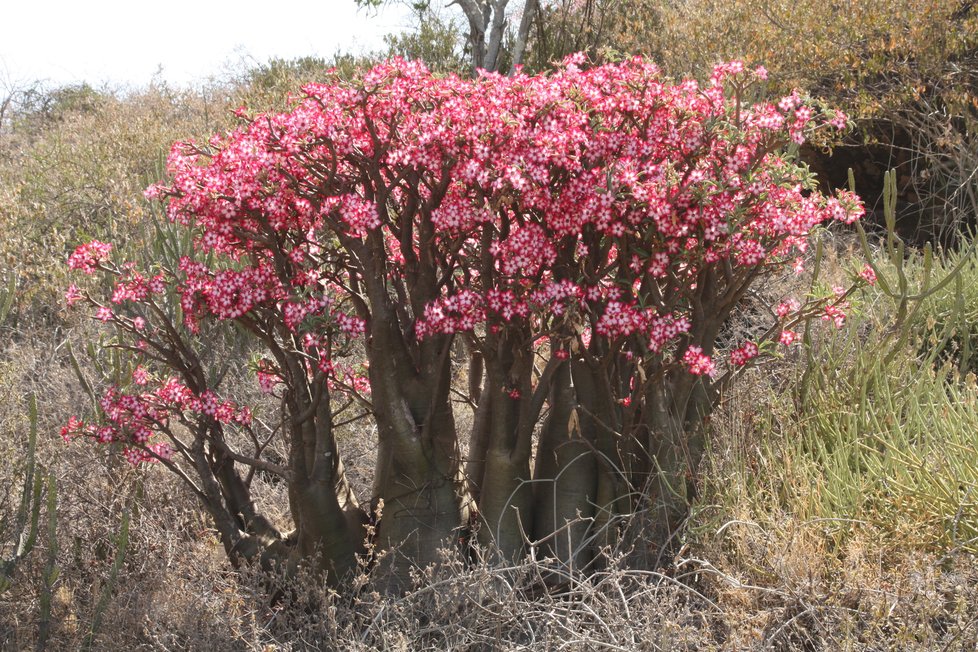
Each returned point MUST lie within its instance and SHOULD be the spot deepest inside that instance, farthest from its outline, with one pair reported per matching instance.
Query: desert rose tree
(586, 233)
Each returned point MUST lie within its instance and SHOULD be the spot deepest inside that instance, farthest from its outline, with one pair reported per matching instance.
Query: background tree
(488, 24)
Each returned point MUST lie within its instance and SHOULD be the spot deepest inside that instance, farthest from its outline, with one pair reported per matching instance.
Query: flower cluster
(359, 215)
(835, 314)
(606, 206)
(227, 294)
(348, 378)
(268, 376)
(868, 274)
(743, 354)
(454, 314)
(698, 363)
(87, 257)
(518, 165)
(137, 288)
(132, 419)
(525, 252)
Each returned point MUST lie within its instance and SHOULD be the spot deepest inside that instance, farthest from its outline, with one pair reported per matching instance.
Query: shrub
(586, 233)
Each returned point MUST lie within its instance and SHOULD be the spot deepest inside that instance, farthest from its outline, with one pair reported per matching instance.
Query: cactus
(26, 526)
(23, 534)
(908, 300)
(27, 518)
(7, 297)
(914, 305)
(122, 544)
(51, 570)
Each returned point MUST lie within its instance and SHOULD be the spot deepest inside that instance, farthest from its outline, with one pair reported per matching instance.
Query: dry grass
(745, 580)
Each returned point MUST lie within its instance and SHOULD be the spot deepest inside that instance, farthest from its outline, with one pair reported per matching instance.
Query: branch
(251, 461)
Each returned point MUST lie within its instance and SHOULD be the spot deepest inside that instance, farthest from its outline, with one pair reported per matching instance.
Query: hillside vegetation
(837, 504)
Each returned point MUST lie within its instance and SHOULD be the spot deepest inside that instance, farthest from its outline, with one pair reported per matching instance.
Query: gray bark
(487, 27)
(565, 482)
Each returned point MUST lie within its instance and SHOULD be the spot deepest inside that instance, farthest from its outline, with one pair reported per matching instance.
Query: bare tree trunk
(526, 22)
(487, 28)
(478, 18)
(495, 42)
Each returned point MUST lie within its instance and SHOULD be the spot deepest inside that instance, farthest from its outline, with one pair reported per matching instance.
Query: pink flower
(359, 214)
(697, 362)
(787, 338)
(140, 376)
(87, 257)
(162, 450)
(599, 199)
(267, 381)
(868, 275)
(743, 354)
(835, 315)
(586, 338)
(840, 121)
(786, 307)
(72, 295)
(244, 416)
(72, 429)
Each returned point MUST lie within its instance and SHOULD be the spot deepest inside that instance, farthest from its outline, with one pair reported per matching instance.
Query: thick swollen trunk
(676, 410)
(422, 509)
(475, 465)
(329, 523)
(506, 497)
(565, 481)
(600, 421)
(239, 544)
(506, 503)
(418, 478)
(511, 407)
(329, 526)
(418, 484)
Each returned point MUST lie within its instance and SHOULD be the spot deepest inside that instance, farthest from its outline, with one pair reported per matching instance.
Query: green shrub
(873, 430)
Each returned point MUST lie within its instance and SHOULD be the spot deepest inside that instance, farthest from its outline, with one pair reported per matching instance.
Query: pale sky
(126, 41)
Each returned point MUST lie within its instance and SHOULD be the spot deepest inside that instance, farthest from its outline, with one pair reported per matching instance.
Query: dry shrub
(782, 587)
